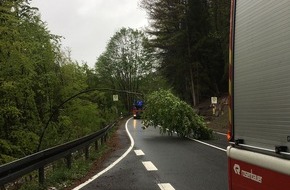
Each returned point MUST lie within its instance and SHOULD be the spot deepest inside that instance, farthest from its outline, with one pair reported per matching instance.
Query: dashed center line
(139, 152)
(165, 186)
(149, 166)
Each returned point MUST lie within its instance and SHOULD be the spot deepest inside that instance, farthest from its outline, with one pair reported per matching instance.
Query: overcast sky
(87, 25)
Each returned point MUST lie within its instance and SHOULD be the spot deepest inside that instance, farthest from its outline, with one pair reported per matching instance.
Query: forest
(184, 49)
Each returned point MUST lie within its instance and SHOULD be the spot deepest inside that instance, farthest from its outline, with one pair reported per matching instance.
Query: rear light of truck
(229, 135)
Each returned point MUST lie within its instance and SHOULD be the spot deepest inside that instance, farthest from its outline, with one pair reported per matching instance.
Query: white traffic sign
(115, 98)
(214, 100)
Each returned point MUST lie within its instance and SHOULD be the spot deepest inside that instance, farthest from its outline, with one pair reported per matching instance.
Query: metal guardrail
(16, 169)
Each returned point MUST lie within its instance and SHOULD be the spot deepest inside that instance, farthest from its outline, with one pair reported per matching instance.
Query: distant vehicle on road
(138, 109)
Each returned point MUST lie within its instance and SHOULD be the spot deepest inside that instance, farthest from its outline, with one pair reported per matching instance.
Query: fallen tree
(164, 109)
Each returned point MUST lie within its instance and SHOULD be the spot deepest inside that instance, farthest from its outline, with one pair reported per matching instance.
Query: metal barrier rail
(16, 169)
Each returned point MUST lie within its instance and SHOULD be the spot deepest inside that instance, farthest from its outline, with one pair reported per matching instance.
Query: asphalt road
(166, 162)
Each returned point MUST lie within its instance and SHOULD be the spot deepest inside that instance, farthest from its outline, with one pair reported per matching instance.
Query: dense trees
(22, 35)
(36, 76)
(126, 63)
(192, 40)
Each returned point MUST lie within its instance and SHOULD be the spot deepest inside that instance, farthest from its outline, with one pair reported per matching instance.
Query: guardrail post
(96, 145)
(102, 140)
(87, 150)
(68, 160)
(41, 175)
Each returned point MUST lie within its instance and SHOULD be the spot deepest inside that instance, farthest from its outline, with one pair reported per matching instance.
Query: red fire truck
(259, 94)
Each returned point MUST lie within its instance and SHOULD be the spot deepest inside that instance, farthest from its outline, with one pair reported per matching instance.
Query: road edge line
(210, 145)
(111, 165)
(220, 133)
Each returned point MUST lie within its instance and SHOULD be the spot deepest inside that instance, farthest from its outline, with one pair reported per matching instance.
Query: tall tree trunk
(193, 93)
(191, 67)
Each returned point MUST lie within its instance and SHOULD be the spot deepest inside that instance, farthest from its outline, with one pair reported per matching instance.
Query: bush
(168, 111)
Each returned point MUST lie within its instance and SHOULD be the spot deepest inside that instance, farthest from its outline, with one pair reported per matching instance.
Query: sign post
(213, 103)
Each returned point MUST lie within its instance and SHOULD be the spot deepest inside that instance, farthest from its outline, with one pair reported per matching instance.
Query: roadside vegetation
(60, 177)
(36, 76)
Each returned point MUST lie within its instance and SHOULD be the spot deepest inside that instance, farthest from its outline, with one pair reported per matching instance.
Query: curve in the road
(111, 165)
(161, 185)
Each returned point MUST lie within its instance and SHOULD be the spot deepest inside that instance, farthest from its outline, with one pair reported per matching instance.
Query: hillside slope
(218, 120)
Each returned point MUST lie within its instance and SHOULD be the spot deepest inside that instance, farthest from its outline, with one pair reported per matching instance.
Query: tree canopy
(192, 40)
(126, 63)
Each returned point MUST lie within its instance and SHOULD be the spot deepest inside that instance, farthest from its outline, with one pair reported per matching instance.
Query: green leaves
(36, 76)
(126, 62)
(164, 109)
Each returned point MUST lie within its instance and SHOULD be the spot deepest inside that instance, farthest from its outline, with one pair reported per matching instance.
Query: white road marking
(220, 133)
(139, 152)
(113, 164)
(216, 147)
(165, 186)
(149, 166)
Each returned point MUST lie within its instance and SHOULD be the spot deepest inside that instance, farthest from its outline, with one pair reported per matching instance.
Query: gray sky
(87, 25)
